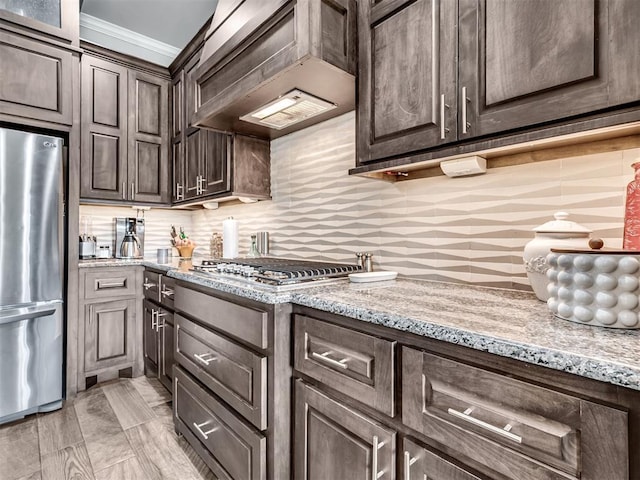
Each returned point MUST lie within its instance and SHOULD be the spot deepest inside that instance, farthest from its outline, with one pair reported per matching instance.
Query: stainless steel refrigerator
(31, 273)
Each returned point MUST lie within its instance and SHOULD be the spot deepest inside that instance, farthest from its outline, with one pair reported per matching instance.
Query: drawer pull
(325, 358)
(118, 284)
(147, 284)
(210, 357)
(167, 292)
(206, 434)
(375, 475)
(505, 432)
(408, 461)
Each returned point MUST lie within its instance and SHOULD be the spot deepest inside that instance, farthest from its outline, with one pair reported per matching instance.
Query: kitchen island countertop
(509, 323)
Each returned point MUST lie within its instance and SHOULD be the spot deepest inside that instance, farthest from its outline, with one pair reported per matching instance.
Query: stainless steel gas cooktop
(279, 272)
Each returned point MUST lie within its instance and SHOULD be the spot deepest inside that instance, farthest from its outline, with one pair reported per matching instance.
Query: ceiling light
(288, 109)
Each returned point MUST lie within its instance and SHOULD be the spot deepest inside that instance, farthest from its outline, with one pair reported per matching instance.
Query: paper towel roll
(230, 238)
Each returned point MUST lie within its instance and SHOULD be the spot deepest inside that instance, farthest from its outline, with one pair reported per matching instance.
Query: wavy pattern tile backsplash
(469, 229)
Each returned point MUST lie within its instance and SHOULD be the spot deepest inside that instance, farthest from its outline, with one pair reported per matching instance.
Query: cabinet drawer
(151, 285)
(419, 463)
(244, 323)
(536, 432)
(232, 372)
(167, 291)
(114, 282)
(354, 363)
(234, 450)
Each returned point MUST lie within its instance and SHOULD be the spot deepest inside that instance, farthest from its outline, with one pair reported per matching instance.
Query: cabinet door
(217, 155)
(407, 77)
(419, 463)
(337, 442)
(574, 57)
(166, 342)
(37, 79)
(58, 18)
(193, 146)
(109, 334)
(148, 138)
(177, 136)
(103, 167)
(150, 337)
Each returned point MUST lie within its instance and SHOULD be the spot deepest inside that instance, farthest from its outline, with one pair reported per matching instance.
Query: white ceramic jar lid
(561, 225)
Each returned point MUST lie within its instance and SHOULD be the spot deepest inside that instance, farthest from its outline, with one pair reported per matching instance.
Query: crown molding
(126, 36)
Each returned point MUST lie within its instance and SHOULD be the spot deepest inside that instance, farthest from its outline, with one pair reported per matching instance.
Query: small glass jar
(215, 246)
(253, 250)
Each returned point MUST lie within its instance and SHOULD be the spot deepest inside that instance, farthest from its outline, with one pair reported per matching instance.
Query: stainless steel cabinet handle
(153, 319)
(199, 185)
(202, 183)
(205, 358)
(206, 434)
(147, 284)
(133, 190)
(158, 324)
(179, 192)
(466, 416)
(443, 129)
(408, 461)
(325, 358)
(465, 123)
(124, 190)
(101, 285)
(375, 475)
(167, 292)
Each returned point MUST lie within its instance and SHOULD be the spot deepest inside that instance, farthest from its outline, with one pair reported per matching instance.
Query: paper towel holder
(460, 167)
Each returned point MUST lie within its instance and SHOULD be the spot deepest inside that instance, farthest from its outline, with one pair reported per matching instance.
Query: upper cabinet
(125, 133)
(438, 72)
(57, 20)
(210, 164)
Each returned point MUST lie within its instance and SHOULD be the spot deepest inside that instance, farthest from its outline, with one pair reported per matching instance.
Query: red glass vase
(631, 238)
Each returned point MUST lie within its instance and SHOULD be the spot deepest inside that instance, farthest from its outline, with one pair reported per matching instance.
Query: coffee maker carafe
(129, 237)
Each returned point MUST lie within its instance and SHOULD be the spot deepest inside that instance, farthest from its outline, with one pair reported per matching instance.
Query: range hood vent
(291, 108)
(271, 67)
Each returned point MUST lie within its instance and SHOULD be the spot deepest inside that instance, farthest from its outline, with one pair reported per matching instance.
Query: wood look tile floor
(121, 430)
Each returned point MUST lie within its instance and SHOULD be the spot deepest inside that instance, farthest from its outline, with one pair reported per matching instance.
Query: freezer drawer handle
(324, 357)
(205, 358)
(198, 426)
(504, 432)
(25, 313)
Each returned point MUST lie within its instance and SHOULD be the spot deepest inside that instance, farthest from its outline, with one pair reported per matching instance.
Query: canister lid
(561, 225)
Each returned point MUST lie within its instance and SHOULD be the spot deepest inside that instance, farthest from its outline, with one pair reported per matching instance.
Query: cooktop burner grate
(278, 271)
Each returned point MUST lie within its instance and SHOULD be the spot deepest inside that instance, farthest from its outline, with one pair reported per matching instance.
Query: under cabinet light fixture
(293, 107)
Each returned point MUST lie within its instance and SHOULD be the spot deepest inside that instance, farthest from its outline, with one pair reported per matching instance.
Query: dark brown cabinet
(407, 82)
(125, 137)
(158, 327)
(436, 73)
(110, 328)
(208, 164)
(37, 79)
(336, 441)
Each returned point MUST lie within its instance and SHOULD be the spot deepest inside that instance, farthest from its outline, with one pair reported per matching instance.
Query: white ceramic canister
(558, 233)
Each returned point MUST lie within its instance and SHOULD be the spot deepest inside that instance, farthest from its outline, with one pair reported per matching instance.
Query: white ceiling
(168, 22)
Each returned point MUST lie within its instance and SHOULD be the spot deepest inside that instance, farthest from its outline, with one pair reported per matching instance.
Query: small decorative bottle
(253, 251)
(631, 238)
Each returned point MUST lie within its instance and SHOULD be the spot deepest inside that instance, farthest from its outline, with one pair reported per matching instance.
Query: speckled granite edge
(111, 262)
(228, 286)
(596, 369)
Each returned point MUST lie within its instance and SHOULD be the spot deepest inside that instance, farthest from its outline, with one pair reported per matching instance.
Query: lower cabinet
(110, 328)
(158, 326)
(232, 382)
(454, 420)
(108, 334)
(338, 442)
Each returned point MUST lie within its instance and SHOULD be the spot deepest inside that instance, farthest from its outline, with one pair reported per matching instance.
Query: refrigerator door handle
(23, 313)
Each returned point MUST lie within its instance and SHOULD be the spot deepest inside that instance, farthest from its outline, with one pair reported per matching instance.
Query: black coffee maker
(129, 237)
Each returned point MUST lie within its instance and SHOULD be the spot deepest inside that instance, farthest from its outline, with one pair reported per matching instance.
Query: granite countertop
(509, 323)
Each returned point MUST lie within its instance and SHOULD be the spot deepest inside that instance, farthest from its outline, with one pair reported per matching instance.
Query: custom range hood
(271, 67)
